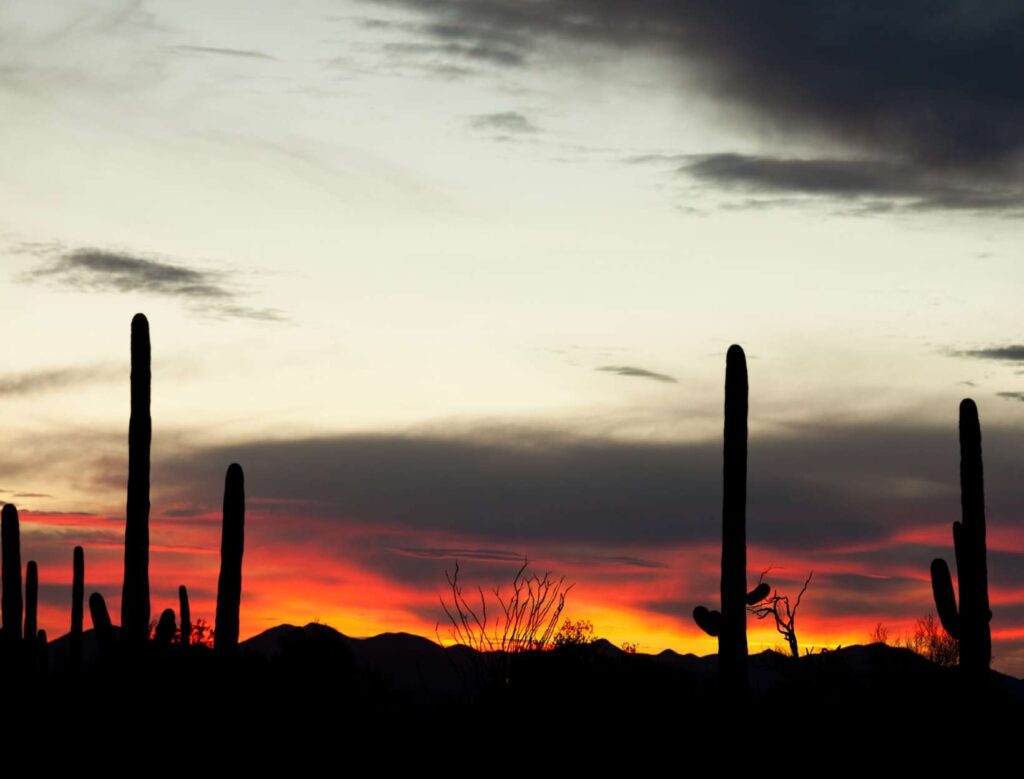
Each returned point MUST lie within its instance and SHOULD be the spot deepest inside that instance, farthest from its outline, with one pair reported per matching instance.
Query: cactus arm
(945, 601)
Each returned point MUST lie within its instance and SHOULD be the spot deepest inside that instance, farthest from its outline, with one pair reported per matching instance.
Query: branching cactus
(135, 592)
(970, 624)
(229, 585)
(730, 625)
(10, 574)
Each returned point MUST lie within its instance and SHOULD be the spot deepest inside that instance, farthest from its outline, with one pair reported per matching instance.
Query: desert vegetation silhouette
(529, 649)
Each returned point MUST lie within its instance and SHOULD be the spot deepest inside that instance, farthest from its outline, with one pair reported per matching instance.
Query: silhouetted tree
(779, 608)
(574, 632)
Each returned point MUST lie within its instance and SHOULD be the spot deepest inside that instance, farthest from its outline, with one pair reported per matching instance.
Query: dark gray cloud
(97, 270)
(1011, 395)
(35, 382)
(929, 88)
(1008, 353)
(640, 373)
(503, 122)
(846, 179)
(815, 489)
(222, 52)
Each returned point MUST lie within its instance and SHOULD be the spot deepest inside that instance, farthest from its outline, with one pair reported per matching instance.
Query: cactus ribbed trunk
(970, 625)
(77, 609)
(186, 617)
(229, 585)
(10, 574)
(732, 638)
(31, 600)
(135, 592)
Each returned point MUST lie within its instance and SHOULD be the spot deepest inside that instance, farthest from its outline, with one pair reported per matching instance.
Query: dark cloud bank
(926, 96)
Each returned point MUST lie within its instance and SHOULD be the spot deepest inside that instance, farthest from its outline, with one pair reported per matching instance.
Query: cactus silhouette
(31, 600)
(969, 625)
(165, 629)
(10, 574)
(135, 592)
(101, 624)
(42, 654)
(77, 609)
(229, 585)
(730, 625)
(186, 616)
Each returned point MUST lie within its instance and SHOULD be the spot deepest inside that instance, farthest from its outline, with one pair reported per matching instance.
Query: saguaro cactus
(77, 609)
(229, 585)
(135, 592)
(730, 626)
(186, 617)
(31, 600)
(10, 574)
(970, 625)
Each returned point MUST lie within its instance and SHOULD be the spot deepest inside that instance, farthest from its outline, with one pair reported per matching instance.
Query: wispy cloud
(35, 382)
(1011, 395)
(640, 373)
(503, 122)
(896, 185)
(1008, 353)
(223, 52)
(210, 292)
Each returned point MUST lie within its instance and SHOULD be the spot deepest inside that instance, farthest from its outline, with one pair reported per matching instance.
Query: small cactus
(186, 617)
(229, 585)
(10, 574)
(165, 629)
(101, 625)
(31, 600)
(970, 624)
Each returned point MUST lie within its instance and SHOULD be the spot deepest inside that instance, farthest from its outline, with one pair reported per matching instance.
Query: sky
(454, 280)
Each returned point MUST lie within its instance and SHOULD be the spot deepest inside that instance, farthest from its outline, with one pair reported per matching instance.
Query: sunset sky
(455, 279)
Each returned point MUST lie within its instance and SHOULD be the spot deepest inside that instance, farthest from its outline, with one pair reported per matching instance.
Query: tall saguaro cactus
(970, 625)
(135, 592)
(730, 626)
(10, 574)
(77, 609)
(229, 585)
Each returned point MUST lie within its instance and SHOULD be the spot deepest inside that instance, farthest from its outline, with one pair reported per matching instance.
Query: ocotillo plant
(77, 609)
(229, 585)
(31, 600)
(186, 617)
(970, 625)
(730, 626)
(10, 574)
(135, 591)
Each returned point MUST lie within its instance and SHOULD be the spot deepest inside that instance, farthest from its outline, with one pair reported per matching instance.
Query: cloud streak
(30, 383)
(96, 270)
(1009, 353)
(640, 373)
